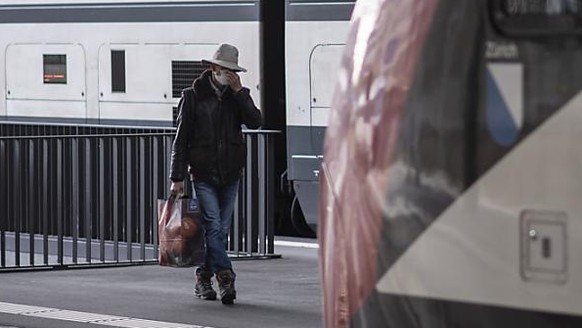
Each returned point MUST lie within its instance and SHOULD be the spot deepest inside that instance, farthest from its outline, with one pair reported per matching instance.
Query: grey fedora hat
(226, 56)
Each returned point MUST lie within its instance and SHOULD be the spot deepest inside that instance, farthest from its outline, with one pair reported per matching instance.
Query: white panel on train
(494, 233)
(148, 33)
(301, 39)
(31, 90)
(323, 67)
(148, 93)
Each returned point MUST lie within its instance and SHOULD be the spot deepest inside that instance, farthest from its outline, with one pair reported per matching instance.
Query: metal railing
(73, 196)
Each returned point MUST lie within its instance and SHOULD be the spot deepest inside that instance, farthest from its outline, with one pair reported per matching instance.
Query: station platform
(280, 293)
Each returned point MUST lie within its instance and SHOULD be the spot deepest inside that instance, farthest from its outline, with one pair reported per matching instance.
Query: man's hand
(177, 188)
(233, 81)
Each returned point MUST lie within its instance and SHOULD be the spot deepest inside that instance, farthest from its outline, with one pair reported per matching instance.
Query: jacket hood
(202, 85)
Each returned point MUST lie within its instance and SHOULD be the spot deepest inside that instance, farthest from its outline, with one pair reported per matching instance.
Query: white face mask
(222, 79)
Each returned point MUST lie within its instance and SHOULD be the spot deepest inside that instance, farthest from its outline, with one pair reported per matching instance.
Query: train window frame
(533, 25)
(118, 71)
(54, 68)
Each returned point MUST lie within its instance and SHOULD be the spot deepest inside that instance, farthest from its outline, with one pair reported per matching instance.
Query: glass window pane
(55, 69)
(117, 71)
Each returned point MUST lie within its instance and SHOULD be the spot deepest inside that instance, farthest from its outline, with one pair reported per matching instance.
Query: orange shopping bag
(181, 232)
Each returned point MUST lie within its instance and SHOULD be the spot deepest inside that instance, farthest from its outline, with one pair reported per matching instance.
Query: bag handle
(194, 196)
(169, 204)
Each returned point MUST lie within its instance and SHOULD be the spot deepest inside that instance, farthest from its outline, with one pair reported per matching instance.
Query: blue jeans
(217, 206)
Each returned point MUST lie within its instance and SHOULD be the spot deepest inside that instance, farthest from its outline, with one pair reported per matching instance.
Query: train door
(323, 67)
(324, 62)
(46, 81)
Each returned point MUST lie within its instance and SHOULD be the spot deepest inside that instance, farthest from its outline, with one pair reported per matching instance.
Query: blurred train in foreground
(114, 62)
(452, 175)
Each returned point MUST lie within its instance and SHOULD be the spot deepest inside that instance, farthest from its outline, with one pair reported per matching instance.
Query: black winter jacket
(209, 136)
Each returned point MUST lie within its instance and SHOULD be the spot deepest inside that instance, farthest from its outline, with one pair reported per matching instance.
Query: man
(209, 140)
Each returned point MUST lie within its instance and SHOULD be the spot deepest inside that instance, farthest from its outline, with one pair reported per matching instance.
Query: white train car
(115, 62)
(451, 180)
(125, 62)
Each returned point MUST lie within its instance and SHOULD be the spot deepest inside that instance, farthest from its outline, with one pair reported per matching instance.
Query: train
(125, 62)
(451, 173)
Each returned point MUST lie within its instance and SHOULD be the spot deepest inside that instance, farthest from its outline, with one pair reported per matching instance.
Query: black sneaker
(226, 286)
(203, 288)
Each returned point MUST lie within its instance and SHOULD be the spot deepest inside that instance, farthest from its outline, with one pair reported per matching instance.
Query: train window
(117, 71)
(55, 69)
(543, 7)
(538, 18)
(183, 74)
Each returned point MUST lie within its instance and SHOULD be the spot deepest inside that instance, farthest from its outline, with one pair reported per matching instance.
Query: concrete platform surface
(277, 293)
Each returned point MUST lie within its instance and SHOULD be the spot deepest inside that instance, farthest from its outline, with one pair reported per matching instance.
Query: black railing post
(128, 197)
(78, 193)
(102, 201)
(17, 214)
(156, 194)
(89, 197)
(4, 196)
(270, 187)
(31, 200)
(142, 183)
(115, 205)
(262, 192)
(45, 210)
(58, 180)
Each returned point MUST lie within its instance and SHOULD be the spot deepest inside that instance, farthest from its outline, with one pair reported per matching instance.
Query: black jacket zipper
(218, 132)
